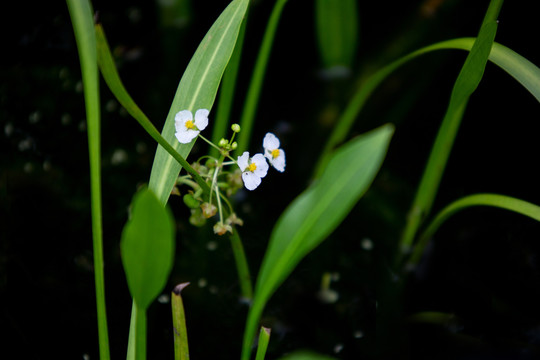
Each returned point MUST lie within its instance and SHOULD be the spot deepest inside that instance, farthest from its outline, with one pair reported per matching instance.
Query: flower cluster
(250, 170)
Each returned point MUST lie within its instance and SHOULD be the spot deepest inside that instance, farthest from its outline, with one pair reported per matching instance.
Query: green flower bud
(190, 201)
(235, 128)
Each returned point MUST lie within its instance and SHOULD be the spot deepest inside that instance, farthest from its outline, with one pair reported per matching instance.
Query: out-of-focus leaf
(337, 31)
(147, 247)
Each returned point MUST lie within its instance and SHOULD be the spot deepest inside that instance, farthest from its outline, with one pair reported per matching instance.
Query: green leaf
(312, 216)
(337, 30)
(147, 247)
(81, 14)
(468, 79)
(197, 90)
(494, 200)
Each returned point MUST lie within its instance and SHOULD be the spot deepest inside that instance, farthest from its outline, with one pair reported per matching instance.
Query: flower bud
(221, 228)
(234, 145)
(190, 201)
(235, 128)
(208, 210)
(222, 143)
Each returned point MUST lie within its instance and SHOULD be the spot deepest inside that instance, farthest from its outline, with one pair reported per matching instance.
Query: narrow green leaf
(147, 247)
(312, 216)
(81, 14)
(181, 348)
(466, 83)
(264, 339)
(197, 90)
(500, 201)
(337, 31)
(521, 69)
(255, 86)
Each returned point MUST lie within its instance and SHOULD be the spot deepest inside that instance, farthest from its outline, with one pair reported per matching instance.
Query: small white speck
(358, 334)
(212, 245)
(202, 282)
(366, 243)
(25, 144)
(337, 348)
(119, 156)
(28, 167)
(163, 299)
(9, 129)
(34, 117)
(86, 357)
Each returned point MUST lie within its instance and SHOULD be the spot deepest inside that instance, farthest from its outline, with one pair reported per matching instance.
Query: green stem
(254, 91)
(137, 334)
(82, 19)
(242, 267)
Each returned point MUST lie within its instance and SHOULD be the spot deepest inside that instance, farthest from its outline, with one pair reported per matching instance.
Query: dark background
(483, 266)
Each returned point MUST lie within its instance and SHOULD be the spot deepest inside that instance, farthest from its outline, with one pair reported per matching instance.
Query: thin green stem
(264, 339)
(241, 266)
(181, 349)
(82, 19)
(255, 86)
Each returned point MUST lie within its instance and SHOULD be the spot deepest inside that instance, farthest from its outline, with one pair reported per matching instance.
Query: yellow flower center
(275, 153)
(190, 124)
(252, 167)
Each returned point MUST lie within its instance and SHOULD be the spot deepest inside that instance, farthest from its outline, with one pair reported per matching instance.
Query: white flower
(186, 128)
(253, 169)
(273, 153)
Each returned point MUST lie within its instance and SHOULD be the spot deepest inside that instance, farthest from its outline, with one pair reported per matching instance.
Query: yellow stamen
(252, 167)
(275, 153)
(190, 124)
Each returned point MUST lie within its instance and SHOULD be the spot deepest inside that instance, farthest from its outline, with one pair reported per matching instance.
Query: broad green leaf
(81, 14)
(197, 90)
(468, 79)
(494, 200)
(337, 31)
(313, 215)
(147, 247)
(306, 355)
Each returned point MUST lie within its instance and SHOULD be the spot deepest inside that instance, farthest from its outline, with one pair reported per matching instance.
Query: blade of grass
(197, 90)
(494, 200)
(83, 26)
(521, 69)
(264, 339)
(466, 83)
(250, 107)
(226, 92)
(181, 349)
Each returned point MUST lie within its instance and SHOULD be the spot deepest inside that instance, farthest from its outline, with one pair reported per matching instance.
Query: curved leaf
(495, 200)
(313, 215)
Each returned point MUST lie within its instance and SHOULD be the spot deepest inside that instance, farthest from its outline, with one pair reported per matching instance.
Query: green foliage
(82, 19)
(306, 355)
(147, 247)
(313, 215)
(337, 31)
(197, 90)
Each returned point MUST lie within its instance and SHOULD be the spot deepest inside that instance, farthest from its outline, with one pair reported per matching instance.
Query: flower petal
(182, 116)
(270, 142)
(201, 119)
(262, 165)
(251, 180)
(279, 162)
(185, 136)
(243, 161)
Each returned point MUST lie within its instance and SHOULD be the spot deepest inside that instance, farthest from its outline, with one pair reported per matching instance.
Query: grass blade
(83, 25)
(264, 339)
(197, 90)
(466, 83)
(313, 215)
(494, 200)
(181, 348)
(337, 30)
(255, 86)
